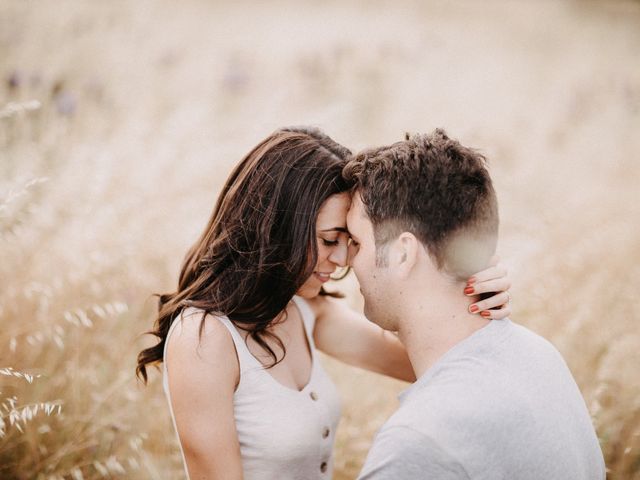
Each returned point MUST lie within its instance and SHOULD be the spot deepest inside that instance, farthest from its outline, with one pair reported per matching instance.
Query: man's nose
(351, 252)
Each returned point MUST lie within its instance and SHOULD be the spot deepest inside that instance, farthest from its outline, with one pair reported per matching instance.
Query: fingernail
(485, 314)
(469, 290)
(474, 308)
(471, 280)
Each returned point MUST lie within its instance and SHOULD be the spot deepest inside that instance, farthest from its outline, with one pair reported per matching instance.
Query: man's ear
(403, 254)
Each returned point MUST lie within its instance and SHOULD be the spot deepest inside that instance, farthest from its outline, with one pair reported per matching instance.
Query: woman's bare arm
(348, 336)
(203, 375)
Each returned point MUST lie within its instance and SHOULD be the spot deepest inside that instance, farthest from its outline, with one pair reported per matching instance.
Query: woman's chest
(299, 422)
(289, 343)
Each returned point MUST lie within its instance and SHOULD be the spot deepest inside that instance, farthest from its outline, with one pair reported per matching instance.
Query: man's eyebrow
(336, 229)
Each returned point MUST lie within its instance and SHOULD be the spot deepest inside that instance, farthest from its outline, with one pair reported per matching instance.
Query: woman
(238, 338)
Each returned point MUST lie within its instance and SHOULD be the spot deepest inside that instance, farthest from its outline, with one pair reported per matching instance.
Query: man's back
(501, 404)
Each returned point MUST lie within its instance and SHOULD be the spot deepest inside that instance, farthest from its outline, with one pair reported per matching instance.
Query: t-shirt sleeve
(400, 452)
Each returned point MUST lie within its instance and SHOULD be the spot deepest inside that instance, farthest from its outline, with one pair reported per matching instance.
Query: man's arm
(400, 452)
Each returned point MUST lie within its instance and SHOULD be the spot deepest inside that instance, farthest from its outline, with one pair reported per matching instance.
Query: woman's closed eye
(330, 243)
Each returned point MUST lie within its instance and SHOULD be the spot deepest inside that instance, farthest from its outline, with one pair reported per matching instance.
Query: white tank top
(284, 434)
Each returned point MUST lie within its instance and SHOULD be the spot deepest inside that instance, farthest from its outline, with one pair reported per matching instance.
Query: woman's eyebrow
(336, 229)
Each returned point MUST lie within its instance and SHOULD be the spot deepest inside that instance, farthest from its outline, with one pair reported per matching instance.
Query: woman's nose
(339, 255)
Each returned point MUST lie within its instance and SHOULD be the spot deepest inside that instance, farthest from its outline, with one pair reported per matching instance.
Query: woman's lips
(323, 277)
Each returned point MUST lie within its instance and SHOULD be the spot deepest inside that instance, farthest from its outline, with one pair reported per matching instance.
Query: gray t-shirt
(500, 405)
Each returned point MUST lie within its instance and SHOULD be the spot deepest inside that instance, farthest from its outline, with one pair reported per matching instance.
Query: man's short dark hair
(429, 185)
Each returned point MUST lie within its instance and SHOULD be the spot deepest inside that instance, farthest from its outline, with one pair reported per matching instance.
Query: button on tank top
(284, 434)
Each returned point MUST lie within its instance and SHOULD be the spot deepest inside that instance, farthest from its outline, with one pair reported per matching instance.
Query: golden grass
(119, 122)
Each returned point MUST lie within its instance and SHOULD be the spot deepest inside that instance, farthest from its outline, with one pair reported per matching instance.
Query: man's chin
(370, 314)
(379, 318)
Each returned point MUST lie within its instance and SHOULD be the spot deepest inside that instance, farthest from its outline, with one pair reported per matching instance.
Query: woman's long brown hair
(259, 246)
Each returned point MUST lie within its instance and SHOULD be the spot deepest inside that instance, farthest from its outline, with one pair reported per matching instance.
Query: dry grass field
(120, 120)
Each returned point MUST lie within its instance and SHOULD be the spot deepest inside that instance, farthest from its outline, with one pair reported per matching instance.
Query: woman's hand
(494, 279)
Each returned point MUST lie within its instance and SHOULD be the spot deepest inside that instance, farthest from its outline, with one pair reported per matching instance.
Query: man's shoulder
(490, 383)
(510, 349)
(517, 336)
(534, 359)
(452, 411)
(523, 334)
(401, 451)
(500, 402)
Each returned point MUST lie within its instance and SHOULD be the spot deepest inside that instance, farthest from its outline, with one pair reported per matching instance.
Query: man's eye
(330, 243)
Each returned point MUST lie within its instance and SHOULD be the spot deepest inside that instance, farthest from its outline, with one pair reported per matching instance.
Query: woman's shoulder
(198, 338)
(321, 305)
(197, 323)
(202, 372)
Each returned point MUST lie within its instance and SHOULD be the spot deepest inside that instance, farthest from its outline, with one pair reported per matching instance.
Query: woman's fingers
(498, 300)
(497, 314)
(491, 273)
(501, 284)
(492, 279)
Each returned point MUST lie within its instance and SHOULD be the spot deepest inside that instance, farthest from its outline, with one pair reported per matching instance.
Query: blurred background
(119, 122)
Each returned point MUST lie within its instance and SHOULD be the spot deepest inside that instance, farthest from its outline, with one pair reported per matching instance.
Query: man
(493, 400)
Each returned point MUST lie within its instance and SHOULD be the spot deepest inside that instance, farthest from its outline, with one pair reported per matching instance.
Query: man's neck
(434, 324)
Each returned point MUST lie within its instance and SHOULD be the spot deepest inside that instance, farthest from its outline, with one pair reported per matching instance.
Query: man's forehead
(353, 210)
(357, 217)
(357, 207)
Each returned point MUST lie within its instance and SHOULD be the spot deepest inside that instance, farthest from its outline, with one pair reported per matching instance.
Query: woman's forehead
(333, 212)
